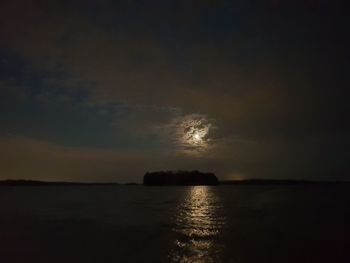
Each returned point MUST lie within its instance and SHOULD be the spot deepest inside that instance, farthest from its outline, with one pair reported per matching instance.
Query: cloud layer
(108, 75)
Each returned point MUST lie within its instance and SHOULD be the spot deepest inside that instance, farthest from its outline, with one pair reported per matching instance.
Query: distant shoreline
(279, 182)
(56, 183)
(224, 182)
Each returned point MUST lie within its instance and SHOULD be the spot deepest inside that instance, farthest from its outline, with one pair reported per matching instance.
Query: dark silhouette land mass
(174, 178)
(21, 182)
(280, 182)
(179, 178)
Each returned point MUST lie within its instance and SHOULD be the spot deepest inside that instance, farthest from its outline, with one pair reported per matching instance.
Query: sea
(234, 223)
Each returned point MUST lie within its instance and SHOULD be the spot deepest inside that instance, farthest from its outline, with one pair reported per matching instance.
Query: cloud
(188, 134)
(28, 158)
(271, 82)
(142, 120)
(12, 89)
(112, 67)
(40, 160)
(23, 157)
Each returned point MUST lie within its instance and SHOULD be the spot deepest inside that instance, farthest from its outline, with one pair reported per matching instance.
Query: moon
(197, 137)
(195, 133)
(190, 134)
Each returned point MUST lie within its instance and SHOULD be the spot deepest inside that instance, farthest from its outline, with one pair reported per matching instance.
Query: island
(179, 178)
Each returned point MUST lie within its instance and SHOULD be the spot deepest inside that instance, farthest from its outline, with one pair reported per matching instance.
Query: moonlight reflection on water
(198, 224)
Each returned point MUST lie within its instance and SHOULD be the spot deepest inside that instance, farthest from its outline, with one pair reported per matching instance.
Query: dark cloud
(271, 75)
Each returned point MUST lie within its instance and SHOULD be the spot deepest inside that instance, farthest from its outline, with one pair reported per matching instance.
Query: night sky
(107, 90)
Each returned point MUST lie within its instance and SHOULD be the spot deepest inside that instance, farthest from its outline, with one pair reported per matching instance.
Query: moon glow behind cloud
(192, 134)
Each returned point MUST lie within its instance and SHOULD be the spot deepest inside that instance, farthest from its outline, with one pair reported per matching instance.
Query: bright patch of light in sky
(192, 133)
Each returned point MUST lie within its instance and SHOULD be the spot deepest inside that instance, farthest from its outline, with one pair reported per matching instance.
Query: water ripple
(198, 222)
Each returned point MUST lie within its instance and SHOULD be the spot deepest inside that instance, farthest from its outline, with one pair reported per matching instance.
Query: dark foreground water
(247, 224)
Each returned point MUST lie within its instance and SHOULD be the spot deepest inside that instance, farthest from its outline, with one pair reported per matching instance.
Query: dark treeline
(280, 182)
(179, 178)
(44, 183)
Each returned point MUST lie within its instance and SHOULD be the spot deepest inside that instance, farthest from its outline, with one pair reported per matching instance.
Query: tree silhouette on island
(179, 178)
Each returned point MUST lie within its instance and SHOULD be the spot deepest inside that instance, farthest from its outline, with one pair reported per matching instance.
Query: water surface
(175, 224)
